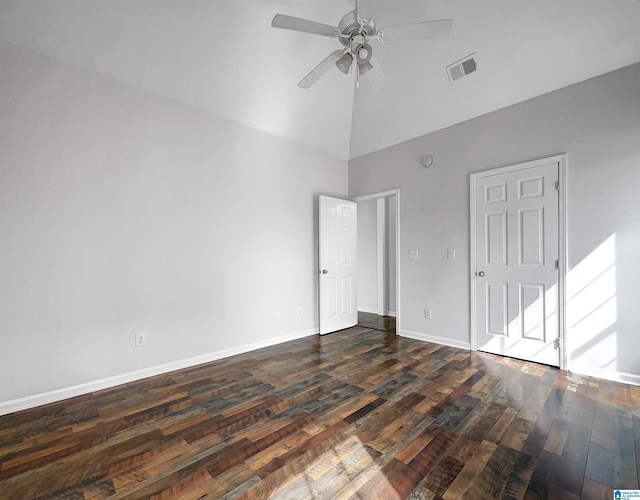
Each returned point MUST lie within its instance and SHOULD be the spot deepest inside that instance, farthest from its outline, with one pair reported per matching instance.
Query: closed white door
(337, 258)
(516, 260)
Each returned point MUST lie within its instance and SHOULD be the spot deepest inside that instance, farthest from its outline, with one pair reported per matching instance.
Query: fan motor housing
(349, 27)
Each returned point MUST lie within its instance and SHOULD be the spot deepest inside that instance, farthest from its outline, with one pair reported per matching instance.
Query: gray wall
(122, 212)
(597, 123)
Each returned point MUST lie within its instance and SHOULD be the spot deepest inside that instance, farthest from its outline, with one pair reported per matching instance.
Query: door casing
(562, 243)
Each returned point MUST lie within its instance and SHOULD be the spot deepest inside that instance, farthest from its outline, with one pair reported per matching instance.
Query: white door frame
(562, 243)
(378, 196)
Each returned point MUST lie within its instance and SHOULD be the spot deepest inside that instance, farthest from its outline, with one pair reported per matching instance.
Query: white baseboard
(436, 340)
(14, 405)
(625, 378)
(375, 311)
(367, 310)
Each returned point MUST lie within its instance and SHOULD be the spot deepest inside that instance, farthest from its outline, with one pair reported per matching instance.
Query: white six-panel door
(337, 259)
(516, 262)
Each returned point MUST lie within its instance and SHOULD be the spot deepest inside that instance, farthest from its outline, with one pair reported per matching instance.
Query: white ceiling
(224, 57)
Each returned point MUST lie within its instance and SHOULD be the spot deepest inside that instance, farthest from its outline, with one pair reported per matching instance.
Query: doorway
(378, 263)
(517, 264)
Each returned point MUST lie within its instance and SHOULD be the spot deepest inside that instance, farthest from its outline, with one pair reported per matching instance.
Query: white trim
(473, 344)
(625, 378)
(375, 196)
(519, 166)
(398, 259)
(563, 258)
(367, 310)
(373, 311)
(14, 405)
(561, 160)
(435, 340)
(381, 235)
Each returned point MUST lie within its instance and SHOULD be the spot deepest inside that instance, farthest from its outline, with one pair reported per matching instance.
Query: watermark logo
(626, 494)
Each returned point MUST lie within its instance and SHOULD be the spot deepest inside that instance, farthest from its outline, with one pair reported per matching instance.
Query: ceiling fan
(354, 31)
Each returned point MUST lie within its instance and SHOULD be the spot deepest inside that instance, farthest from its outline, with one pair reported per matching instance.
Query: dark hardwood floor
(375, 322)
(357, 414)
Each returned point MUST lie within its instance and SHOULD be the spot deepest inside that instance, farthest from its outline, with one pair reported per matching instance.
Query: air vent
(462, 68)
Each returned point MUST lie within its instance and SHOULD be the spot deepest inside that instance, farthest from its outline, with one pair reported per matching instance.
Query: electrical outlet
(141, 339)
(427, 313)
(276, 314)
(299, 311)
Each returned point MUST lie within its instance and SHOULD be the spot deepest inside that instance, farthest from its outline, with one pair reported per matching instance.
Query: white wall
(597, 123)
(122, 212)
(367, 257)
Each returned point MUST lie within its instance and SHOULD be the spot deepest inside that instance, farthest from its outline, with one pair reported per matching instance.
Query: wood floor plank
(360, 413)
(517, 434)
(557, 437)
(469, 474)
(341, 474)
(595, 490)
(625, 474)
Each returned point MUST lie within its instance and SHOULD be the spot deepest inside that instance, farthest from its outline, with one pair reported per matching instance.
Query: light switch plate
(451, 253)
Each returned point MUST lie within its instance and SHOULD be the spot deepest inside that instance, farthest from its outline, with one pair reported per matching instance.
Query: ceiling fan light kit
(354, 31)
(364, 68)
(344, 63)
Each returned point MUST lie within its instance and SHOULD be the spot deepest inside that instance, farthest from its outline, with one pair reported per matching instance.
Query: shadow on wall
(592, 309)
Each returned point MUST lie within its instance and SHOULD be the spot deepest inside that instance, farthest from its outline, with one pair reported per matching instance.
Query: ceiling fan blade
(430, 29)
(375, 76)
(315, 74)
(303, 25)
(365, 9)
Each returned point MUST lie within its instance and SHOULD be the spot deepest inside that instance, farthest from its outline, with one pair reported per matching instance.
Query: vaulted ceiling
(223, 56)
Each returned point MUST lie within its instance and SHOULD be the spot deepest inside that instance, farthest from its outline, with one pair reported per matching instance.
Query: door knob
(481, 274)
(324, 271)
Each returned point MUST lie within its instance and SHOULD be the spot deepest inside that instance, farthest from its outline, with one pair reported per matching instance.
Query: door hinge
(557, 264)
(556, 343)
(557, 185)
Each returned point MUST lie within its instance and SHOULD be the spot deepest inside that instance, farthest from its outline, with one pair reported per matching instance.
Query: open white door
(515, 231)
(337, 259)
